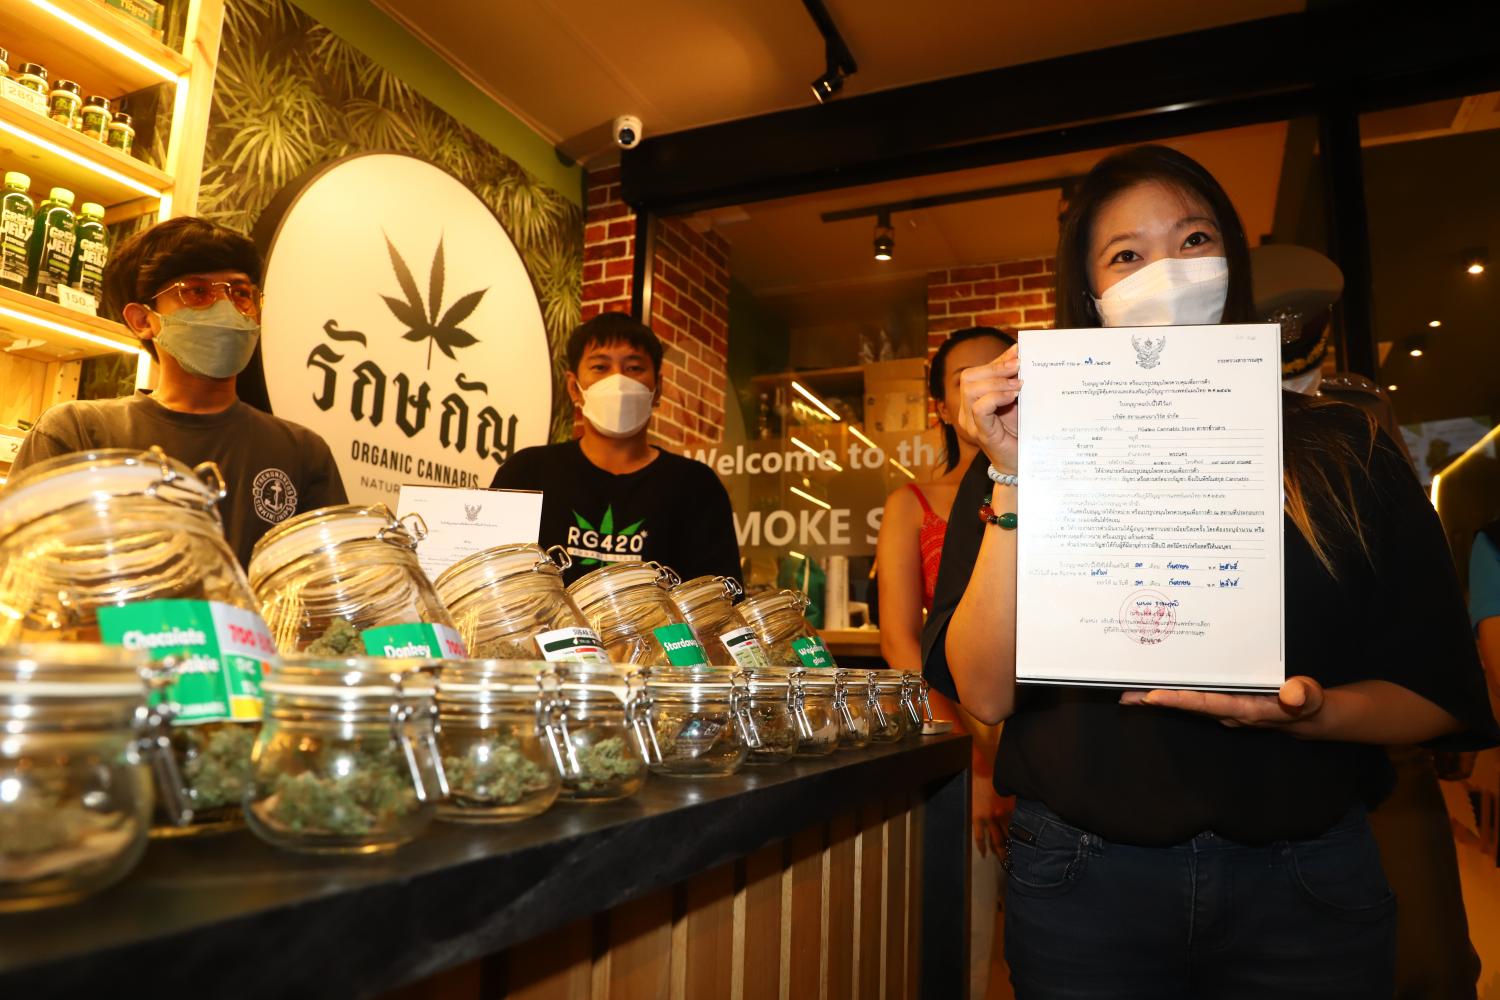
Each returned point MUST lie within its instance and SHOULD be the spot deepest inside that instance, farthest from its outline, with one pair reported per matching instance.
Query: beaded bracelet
(988, 516)
(1003, 478)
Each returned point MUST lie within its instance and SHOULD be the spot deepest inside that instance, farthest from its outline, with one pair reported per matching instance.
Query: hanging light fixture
(838, 62)
(885, 237)
(1476, 259)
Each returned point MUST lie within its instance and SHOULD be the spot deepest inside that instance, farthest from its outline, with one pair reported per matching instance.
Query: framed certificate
(1150, 508)
(461, 521)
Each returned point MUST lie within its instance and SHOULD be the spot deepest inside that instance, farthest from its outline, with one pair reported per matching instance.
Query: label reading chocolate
(223, 653)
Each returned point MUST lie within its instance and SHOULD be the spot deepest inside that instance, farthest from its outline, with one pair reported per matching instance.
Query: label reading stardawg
(745, 649)
(419, 640)
(578, 645)
(681, 646)
(812, 652)
(224, 652)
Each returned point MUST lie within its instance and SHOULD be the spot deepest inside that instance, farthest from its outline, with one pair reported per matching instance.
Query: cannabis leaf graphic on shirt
(606, 532)
(422, 322)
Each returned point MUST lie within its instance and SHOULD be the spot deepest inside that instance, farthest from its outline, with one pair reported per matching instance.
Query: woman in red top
(907, 557)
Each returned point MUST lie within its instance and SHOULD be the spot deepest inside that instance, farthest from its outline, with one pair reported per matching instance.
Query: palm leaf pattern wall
(290, 94)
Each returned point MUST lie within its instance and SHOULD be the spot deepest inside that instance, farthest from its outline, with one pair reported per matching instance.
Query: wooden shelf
(55, 155)
(85, 41)
(50, 332)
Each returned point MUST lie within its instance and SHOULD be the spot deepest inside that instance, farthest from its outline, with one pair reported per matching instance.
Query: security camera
(628, 131)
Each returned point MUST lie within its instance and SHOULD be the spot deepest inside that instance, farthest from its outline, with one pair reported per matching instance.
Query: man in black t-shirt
(190, 290)
(610, 496)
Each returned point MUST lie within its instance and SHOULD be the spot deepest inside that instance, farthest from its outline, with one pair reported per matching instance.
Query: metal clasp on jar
(732, 589)
(740, 710)
(878, 721)
(153, 726)
(640, 718)
(796, 701)
(407, 530)
(913, 691)
(564, 754)
(666, 576)
(402, 714)
(841, 703)
(555, 558)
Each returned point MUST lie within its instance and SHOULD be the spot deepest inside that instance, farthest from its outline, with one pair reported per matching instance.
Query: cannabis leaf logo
(606, 532)
(422, 322)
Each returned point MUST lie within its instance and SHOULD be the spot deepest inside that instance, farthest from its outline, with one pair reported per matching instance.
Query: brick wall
(689, 308)
(1011, 295)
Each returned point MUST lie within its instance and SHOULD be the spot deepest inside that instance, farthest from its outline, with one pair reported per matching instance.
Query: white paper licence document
(461, 521)
(1150, 508)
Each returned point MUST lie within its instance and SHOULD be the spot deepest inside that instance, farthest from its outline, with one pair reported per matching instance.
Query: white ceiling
(568, 67)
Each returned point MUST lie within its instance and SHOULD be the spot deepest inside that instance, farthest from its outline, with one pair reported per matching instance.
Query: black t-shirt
(674, 511)
(272, 468)
(1154, 777)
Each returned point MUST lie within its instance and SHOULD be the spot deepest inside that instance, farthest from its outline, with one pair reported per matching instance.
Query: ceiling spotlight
(830, 83)
(885, 237)
(838, 62)
(1415, 346)
(1476, 259)
(1393, 387)
(1434, 323)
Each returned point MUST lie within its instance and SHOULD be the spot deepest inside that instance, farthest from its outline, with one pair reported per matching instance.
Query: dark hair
(613, 328)
(937, 378)
(153, 258)
(1321, 457)
(1111, 177)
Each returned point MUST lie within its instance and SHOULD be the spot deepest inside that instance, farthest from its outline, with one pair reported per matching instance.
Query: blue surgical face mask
(215, 342)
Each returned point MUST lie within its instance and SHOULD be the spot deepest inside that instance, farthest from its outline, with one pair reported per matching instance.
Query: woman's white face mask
(1172, 291)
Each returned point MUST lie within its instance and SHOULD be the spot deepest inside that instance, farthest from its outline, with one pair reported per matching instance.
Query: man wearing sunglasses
(189, 289)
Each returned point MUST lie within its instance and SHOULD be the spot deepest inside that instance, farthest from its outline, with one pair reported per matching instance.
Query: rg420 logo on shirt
(594, 546)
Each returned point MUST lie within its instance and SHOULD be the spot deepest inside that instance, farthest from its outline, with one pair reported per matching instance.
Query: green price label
(813, 654)
(681, 646)
(222, 652)
(417, 641)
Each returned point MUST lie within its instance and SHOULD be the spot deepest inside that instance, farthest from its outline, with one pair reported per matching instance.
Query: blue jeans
(1205, 920)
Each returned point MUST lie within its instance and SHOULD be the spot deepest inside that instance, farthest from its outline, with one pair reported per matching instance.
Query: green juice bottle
(17, 217)
(91, 250)
(52, 244)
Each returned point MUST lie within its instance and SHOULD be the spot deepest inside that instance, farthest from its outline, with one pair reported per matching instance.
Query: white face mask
(617, 405)
(1173, 291)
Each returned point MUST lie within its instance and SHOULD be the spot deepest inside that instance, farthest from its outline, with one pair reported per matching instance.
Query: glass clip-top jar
(694, 722)
(502, 734)
(786, 637)
(509, 603)
(852, 700)
(347, 760)
(707, 603)
(126, 547)
(919, 708)
(630, 609)
(345, 581)
(817, 698)
(602, 753)
(80, 743)
(888, 706)
(775, 706)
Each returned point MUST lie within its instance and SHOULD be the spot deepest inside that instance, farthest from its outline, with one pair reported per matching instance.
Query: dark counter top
(227, 916)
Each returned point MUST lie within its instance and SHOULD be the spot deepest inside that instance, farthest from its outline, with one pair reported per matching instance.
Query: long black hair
(937, 378)
(1112, 176)
(1322, 453)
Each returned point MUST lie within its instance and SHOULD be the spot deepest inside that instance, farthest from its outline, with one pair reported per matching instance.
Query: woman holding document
(1203, 843)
